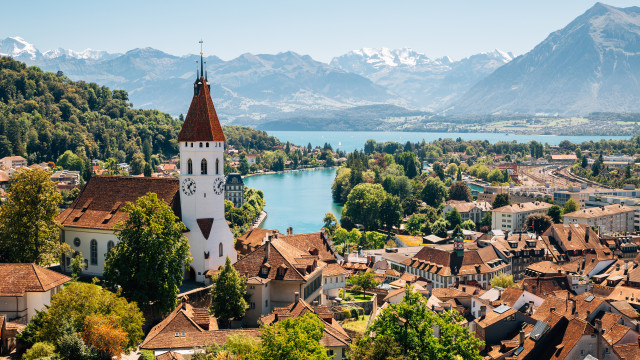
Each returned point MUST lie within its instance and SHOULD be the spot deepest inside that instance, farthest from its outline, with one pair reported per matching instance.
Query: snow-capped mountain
(18, 48)
(429, 83)
(87, 54)
(592, 64)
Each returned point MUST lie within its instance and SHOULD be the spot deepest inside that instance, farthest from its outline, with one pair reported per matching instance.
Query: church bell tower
(202, 182)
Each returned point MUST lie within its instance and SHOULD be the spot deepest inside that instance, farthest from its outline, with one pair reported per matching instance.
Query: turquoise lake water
(352, 140)
(298, 199)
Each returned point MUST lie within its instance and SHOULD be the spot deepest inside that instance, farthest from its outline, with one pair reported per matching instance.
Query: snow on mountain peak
(16, 46)
(86, 54)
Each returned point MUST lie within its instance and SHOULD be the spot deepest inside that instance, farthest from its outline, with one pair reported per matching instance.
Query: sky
(322, 29)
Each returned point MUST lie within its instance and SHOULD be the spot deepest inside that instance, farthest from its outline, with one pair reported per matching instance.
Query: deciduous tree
(460, 191)
(365, 280)
(29, 231)
(501, 200)
(293, 339)
(152, 229)
(538, 223)
(555, 213)
(103, 333)
(434, 192)
(502, 280)
(570, 206)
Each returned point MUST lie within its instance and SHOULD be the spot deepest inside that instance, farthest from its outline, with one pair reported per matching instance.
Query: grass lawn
(359, 325)
(359, 296)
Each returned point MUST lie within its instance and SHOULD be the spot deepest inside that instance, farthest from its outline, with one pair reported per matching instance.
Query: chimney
(289, 230)
(296, 296)
(530, 307)
(599, 336)
(184, 302)
(626, 267)
(483, 311)
(569, 236)
(573, 307)
(267, 250)
(521, 337)
(552, 309)
(315, 307)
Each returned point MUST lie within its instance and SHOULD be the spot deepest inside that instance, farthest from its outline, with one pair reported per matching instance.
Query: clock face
(218, 186)
(188, 186)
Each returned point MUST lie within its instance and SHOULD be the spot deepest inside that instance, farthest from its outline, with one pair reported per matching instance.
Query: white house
(27, 288)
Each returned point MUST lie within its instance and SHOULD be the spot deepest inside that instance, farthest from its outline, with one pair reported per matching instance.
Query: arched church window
(203, 167)
(207, 144)
(220, 250)
(217, 166)
(110, 245)
(200, 144)
(189, 167)
(94, 252)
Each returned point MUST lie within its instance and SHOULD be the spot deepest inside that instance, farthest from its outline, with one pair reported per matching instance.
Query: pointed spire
(201, 60)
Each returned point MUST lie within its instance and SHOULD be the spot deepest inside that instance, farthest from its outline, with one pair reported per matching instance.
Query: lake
(352, 140)
(296, 198)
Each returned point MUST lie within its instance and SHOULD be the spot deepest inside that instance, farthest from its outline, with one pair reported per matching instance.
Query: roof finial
(201, 60)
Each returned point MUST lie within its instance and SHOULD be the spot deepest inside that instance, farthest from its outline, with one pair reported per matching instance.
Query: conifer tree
(228, 294)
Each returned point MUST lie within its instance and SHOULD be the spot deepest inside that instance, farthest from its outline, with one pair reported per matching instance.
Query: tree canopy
(460, 191)
(293, 339)
(501, 200)
(151, 228)
(29, 231)
(228, 293)
(434, 192)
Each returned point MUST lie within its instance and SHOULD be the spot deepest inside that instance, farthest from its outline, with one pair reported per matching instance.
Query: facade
(512, 217)
(234, 189)
(333, 278)
(578, 194)
(197, 198)
(608, 219)
(13, 162)
(27, 288)
(519, 250)
(473, 211)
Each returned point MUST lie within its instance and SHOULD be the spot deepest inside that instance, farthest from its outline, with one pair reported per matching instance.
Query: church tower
(202, 183)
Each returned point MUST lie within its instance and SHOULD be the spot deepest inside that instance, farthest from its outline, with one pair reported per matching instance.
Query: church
(197, 197)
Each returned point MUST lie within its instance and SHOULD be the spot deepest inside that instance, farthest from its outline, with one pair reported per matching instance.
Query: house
(251, 159)
(188, 328)
(334, 278)
(615, 218)
(520, 250)
(27, 288)
(512, 217)
(573, 241)
(234, 189)
(497, 324)
(473, 211)
(278, 270)
(335, 339)
(564, 159)
(447, 265)
(13, 162)
(197, 198)
(250, 240)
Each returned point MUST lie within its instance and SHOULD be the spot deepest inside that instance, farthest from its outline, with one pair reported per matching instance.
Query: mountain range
(591, 65)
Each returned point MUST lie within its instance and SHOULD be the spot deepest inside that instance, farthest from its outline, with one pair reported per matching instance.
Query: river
(352, 140)
(296, 198)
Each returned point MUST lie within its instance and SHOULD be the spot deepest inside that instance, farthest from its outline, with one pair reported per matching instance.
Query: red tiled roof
(170, 355)
(310, 241)
(20, 278)
(99, 205)
(333, 269)
(201, 123)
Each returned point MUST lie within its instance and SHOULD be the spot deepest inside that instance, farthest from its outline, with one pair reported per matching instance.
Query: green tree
(434, 192)
(40, 350)
(468, 225)
(364, 280)
(70, 161)
(486, 219)
(382, 348)
(454, 218)
(390, 211)
(330, 223)
(460, 191)
(538, 223)
(502, 280)
(439, 228)
(228, 294)
(411, 324)
(152, 229)
(414, 224)
(78, 301)
(29, 231)
(77, 263)
(244, 166)
(293, 339)
(148, 170)
(496, 176)
(374, 240)
(501, 200)
(363, 205)
(137, 164)
(369, 146)
(555, 213)
(570, 206)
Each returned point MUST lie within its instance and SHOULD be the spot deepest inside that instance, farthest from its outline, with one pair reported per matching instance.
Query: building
(275, 272)
(580, 195)
(234, 189)
(13, 162)
(446, 265)
(188, 328)
(335, 338)
(197, 198)
(512, 217)
(251, 159)
(564, 159)
(334, 278)
(519, 250)
(27, 288)
(251, 240)
(607, 219)
(473, 211)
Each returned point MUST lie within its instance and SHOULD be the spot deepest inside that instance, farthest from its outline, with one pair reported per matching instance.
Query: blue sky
(322, 29)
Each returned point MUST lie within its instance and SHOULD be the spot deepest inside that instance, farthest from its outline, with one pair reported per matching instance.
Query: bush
(354, 313)
(346, 313)
(146, 355)
(71, 347)
(39, 350)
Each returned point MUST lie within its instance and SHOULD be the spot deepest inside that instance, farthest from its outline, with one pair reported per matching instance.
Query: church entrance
(190, 274)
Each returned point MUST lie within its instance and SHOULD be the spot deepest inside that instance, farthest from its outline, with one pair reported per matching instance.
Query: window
(200, 144)
(330, 353)
(177, 334)
(252, 305)
(220, 250)
(76, 242)
(207, 144)
(110, 245)
(203, 167)
(94, 252)
(266, 303)
(184, 334)
(217, 166)
(189, 167)
(191, 144)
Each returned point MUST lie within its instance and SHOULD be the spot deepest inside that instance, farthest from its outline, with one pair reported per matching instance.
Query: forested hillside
(44, 114)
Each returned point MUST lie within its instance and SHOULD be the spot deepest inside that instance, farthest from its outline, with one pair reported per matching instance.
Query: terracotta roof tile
(170, 355)
(627, 351)
(522, 207)
(311, 242)
(201, 123)
(333, 269)
(20, 278)
(100, 204)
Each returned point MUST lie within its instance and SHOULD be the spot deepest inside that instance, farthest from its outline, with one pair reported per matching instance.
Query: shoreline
(260, 220)
(289, 170)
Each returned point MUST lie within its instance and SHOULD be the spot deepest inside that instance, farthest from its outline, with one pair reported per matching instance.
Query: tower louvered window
(189, 167)
(203, 167)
